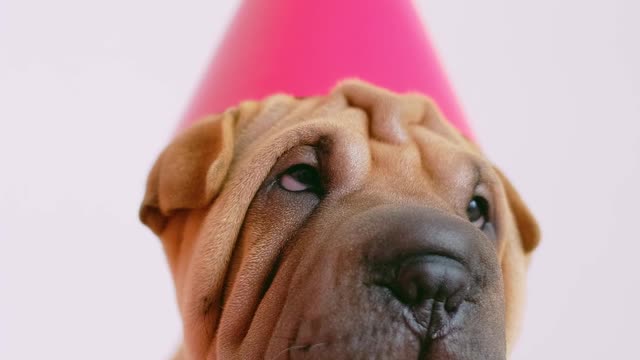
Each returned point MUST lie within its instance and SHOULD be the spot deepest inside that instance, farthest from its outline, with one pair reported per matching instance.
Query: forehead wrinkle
(398, 177)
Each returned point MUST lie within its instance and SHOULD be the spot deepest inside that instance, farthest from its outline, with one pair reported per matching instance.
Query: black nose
(423, 254)
(436, 277)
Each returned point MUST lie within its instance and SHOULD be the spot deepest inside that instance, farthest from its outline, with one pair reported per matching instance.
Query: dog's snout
(436, 277)
(428, 259)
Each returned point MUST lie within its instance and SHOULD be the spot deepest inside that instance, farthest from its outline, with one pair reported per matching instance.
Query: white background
(91, 91)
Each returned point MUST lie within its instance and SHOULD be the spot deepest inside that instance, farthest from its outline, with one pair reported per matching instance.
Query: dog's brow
(467, 169)
(478, 171)
(467, 175)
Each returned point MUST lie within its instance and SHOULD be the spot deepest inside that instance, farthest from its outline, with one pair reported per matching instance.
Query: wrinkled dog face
(357, 225)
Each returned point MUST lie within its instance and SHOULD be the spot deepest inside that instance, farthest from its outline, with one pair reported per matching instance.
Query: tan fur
(202, 185)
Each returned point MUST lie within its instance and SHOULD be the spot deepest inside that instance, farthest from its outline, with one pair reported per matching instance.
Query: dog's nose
(436, 277)
(424, 256)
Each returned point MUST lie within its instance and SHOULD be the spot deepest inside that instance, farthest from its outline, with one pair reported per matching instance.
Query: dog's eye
(301, 177)
(478, 211)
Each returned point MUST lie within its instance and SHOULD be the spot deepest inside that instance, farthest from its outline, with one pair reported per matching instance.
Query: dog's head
(358, 224)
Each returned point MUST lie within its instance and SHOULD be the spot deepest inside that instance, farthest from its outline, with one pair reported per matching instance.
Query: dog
(354, 225)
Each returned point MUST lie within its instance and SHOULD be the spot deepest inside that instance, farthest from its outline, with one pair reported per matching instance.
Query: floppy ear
(526, 223)
(190, 171)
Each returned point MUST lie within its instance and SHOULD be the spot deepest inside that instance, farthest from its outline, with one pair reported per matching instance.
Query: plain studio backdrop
(90, 92)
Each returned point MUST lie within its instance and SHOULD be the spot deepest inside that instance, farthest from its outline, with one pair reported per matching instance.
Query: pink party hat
(304, 47)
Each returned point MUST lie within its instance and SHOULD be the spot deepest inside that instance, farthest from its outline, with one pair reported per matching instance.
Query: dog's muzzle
(404, 282)
(445, 272)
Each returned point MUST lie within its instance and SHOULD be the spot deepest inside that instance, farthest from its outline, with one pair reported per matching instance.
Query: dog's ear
(190, 171)
(525, 221)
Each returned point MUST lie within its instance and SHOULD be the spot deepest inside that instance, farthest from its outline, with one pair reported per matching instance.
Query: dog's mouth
(403, 334)
(372, 322)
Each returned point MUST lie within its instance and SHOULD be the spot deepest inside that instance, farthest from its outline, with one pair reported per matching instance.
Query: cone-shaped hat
(304, 47)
